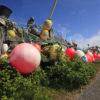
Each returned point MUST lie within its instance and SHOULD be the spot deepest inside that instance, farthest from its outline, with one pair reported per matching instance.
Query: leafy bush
(15, 86)
(69, 75)
(61, 74)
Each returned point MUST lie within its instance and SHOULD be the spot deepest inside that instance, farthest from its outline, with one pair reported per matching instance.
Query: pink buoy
(70, 52)
(96, 56)
(99, 56)
(25, 58)
(90, 54)
(89, 58)
(37, 46)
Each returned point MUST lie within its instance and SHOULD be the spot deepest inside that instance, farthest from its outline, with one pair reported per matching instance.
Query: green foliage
(63, 74)
(15, 86)
(69, 74)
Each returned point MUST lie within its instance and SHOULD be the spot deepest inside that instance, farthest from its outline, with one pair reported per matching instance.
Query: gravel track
(92, 92)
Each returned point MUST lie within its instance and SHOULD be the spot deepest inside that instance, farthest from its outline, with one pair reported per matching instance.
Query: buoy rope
(53, 8)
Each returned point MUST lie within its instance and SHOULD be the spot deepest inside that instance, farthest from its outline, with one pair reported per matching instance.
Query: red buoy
(70, 52)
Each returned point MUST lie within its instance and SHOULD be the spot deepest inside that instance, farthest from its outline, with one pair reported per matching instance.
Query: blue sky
(74, 19)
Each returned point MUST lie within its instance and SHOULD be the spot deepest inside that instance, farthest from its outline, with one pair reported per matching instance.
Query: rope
(53, 8)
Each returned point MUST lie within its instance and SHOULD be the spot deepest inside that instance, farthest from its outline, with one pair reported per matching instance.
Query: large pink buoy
(25, 58)
(70, 52)
(37, 46)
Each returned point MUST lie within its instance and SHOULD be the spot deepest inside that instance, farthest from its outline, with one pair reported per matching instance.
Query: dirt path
(92, 92)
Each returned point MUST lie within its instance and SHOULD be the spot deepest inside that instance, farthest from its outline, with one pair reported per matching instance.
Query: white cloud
(83, 41)
(79, 38)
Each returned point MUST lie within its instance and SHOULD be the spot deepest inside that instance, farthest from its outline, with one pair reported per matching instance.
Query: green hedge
(14, 86)
(62, 74)
(69, 75)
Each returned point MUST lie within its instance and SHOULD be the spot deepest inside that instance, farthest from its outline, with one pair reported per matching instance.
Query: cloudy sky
(74, 19)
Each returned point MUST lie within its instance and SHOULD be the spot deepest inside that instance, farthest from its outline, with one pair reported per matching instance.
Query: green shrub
(69, 74)
(63, 74)
(14, 86)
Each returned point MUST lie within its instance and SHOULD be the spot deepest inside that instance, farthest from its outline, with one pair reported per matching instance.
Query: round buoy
(90, 54)
(5, 48)
(11, 33)
(37, 46)
(81, 54)
(89, 58)
(96, 56)
(4, 56)
(70, 52)
(25, 58)
(47, 24)
(44, 35)
(84, 59)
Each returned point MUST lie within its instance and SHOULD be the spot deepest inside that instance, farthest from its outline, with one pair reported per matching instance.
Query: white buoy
(5, 48)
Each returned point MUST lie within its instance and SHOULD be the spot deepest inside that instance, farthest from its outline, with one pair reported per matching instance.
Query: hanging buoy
(5, 48)
(47, 24)
(11, 33)
(52, 51)
(44, 35)
(4, 56)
